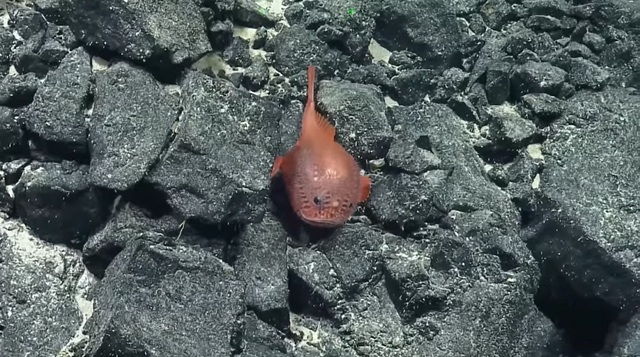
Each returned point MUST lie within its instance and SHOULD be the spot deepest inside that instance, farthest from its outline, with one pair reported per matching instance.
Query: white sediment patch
(379, 53)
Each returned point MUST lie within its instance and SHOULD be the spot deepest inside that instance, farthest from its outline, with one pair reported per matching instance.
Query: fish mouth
(319, 222)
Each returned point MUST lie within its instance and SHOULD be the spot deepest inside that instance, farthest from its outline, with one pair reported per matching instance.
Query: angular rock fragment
(358, 112)
(498, 82)
(57, 202)
(585, 74)
(217, 168)
(151, 31)
(543, 106)
(129, 223)
(262, 265)
(296, 48)
(508, 128)
(158, 300)
(11, 135)
(425, 27)
(131, 122)
(43, 292)
(538, 77)
(58, 112)
(18, 90)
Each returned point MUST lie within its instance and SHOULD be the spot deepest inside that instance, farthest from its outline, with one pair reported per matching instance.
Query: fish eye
(317, 200)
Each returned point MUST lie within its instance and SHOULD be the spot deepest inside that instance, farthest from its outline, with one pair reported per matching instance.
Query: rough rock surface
(138, 216)
(132, 118)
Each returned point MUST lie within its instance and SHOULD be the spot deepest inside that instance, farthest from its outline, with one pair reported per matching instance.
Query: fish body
(323, 181)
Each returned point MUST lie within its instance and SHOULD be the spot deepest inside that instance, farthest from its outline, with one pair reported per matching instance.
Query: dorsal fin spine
(313, 123)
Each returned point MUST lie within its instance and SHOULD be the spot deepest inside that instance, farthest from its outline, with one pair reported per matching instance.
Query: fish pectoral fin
(365, 188)
(276, 165)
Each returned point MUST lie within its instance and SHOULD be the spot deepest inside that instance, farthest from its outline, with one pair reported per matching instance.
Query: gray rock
(535, 77)
(557, 8)
(498, 84)
(411, 86)
(6, 201)
(496, 13)
(311, 285)
(222, 176)
(354, 269)
(543, 106)
(237, 54)
(577, 271)
(453, 81)
(18, 90)
(403, 202)
(249, 13)
(57, 202)
(131, 123)
(166, 292)
(43, 293)
(262, 265)
(11, 135)
(152, 31)
(508, 128)
(127, 224)
(592, 170)
(296, 48)
(52, 52)
(58, 112)
(543, 23)
(257, 75)
(262, 340)
(594, 41)
(463, 108)
(220, 33)
(358, 112)
(628, 341)
(425, 27)
(584, 74)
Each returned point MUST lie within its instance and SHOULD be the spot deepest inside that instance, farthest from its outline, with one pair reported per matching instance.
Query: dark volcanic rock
(508, 128)
(426, 27)
(153, 31)
(413, 85)
(498, 82)
(222, 175)
(358, 112)
(131, 122)
(261, 339)
(538, 77)
(458, 183)
(584, 74)
(6, 201)
(59, 110)
(496, 13)
(597, 184)
(262, 265)
(249, 13)
(405, 202)
(57, 202)
(237, 54)
(157, 300)
(580, 277)
(257, 75)
(11, 135)
(296, 48)
(543, 106)
(43, 293)
(129, 223)
(18, 90)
